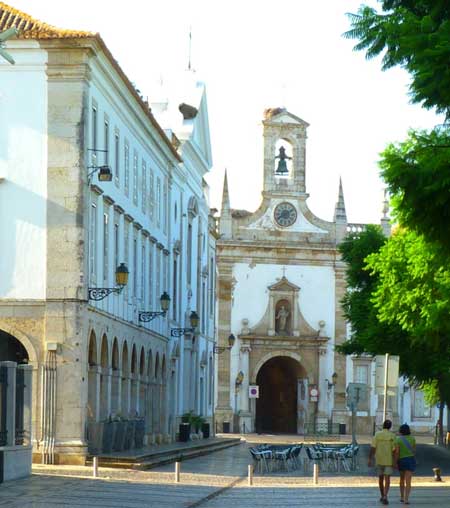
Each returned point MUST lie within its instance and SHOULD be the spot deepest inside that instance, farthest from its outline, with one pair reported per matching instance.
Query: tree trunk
(440, 423)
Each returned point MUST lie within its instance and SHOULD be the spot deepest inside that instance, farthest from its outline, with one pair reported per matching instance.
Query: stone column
(224, 411)
(10, 380)
(340, 413)
(116, 390)
(245, 417)
(27, 402)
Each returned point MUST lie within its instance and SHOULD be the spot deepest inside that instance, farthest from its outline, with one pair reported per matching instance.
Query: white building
(280, 284)
(98, 366)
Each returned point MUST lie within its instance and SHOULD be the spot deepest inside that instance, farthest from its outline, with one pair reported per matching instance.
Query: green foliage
(418, 177)
(369, 335)
(413, 293)
(414, 35)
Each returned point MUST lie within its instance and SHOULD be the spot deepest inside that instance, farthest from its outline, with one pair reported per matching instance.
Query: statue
(282, 166)
(281, 317)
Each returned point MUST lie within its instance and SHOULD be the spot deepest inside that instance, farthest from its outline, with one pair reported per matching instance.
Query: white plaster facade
(267, 259)
(64, 103)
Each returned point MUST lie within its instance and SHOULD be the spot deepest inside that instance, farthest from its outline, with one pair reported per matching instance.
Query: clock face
(285, 214)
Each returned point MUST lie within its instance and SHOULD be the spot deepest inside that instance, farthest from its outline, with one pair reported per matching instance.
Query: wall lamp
(220, 349)
(104, 172)
(333, 381)
(193, 319)
(147, 316)
(98, 294)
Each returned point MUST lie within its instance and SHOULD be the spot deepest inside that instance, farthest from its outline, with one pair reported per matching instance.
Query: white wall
(23, 165)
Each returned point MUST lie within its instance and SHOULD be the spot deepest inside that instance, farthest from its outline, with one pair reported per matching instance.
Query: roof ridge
(30, 27)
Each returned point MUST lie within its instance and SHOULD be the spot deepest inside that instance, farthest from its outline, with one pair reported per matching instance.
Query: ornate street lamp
(146, 316)
(193, 319)
(98, 294)
(104, 172)
(333, 381)
(220, 349)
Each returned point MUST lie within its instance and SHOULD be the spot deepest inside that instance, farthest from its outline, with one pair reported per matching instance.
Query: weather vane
(4, 36)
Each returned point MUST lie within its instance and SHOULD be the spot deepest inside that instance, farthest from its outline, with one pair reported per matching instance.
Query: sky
(255, 55)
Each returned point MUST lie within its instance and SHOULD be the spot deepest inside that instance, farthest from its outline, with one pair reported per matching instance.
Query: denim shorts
(407, 464)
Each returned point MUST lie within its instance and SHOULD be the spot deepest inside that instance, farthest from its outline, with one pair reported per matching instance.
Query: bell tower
(284, 153)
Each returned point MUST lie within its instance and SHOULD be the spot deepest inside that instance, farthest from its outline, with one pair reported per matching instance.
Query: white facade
(68, 109)
(280, 285)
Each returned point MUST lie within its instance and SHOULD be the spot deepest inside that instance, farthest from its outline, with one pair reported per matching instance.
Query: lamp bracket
(98, 294)
(178, 332)
(150, 315)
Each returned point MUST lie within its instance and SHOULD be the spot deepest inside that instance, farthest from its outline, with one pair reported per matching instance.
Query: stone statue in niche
(282, 318)
(282, 166)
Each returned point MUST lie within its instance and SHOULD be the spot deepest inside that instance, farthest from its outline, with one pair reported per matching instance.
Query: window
(420, 408)
(135, 266)
(135, 178)
(151, 209)
(362, 374)
(117, 157)
(126, 249)
(165, 203)
(106, 136)
(143, 285)
(203, 307)
(105, 249)
(144, 186)
(211, 286)
(150, 274)
(158, 273)
(94, 134)
(93, 245)
(127, 167)
(116, 244)
(189, 254)
(158, 202)
(175, 288)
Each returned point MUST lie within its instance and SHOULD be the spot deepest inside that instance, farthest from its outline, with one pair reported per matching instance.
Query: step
(160, 457)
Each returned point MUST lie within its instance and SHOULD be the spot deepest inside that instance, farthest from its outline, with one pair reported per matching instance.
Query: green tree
(368, 333)
(418, 177)
(413, 293)
(413, 34)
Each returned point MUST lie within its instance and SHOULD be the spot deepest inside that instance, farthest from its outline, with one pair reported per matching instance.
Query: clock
(285, 214)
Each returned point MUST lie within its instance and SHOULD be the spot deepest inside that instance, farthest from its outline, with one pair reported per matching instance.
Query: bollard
(316, 473)
(437, 474)
(95, 467)
(250, 474)
(177, 472)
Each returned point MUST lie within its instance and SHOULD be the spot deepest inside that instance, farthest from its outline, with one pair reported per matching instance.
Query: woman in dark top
(404, 457)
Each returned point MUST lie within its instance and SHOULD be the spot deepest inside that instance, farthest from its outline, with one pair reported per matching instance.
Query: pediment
(281, 115)
(283, 285)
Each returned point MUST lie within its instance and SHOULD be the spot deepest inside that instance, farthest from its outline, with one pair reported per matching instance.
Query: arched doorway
(11, 349)
(276, 407)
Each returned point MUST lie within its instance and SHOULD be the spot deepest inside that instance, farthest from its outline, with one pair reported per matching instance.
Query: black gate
(3, 387)
(20, 390)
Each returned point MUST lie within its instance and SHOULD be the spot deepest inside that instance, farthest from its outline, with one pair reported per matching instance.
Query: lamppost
(193, 319)
(220, 349)
(98, 294)
(146, 316)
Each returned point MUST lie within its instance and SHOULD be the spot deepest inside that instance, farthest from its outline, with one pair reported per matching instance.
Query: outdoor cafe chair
(261, 458)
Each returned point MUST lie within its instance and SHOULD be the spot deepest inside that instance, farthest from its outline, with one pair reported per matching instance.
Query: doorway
(276, 407)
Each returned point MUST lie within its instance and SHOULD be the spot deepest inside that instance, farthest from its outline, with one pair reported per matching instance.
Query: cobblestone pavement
(211, 481)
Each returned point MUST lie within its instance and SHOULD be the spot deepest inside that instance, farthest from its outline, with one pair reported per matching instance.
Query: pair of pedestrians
(393, 451)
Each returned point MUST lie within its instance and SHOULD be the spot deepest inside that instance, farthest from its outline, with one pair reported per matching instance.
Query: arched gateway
(283, 391)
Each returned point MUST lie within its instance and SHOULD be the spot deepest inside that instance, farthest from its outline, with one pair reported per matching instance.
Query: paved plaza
(218, 480)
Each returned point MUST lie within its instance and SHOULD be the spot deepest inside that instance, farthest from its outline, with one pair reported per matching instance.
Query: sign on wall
(253, 392)
(313, 394)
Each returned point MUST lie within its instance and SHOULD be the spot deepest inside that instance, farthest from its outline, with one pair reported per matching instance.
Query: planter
(95, 437)
(129, 435)
(185, 430)
(205, 430)
(119, 436)
(139, 433)
(107, 438)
